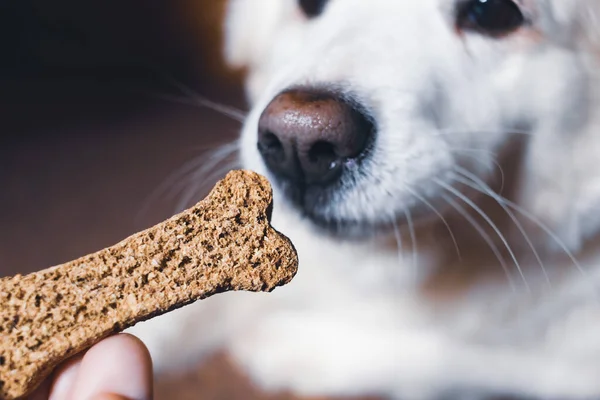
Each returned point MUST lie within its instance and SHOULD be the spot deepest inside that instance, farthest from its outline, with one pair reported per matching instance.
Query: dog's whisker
(219, 155)
(218, 173)
(477, 184)
(439, 214)
(555, 238)
(202, 101)
(398, 238)
(171, 186)
(516, 131)
(489, 221)
(484, 235)
(206, 181)
(546, 229)
(482, 161)
(195, 191)
(413, 239)
(224, 110)
(200, 170)
(204, 165)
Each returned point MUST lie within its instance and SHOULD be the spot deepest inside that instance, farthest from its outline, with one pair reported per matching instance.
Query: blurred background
(88, 134)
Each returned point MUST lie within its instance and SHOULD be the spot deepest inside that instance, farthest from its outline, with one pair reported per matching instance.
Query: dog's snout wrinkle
(307, 136)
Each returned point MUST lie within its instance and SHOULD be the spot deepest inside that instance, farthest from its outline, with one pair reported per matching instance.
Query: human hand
(117, 368)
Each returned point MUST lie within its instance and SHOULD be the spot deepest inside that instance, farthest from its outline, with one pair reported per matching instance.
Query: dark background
(85, 141)
(85, 138)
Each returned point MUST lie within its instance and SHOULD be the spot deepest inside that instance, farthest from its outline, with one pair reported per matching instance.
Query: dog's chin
(321, 210)
(346, 229)
(357, 229)
(360, 229)
(310, 207)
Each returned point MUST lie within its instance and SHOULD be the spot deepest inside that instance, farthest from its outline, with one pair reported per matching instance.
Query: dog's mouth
(363, 228)
(321, 207)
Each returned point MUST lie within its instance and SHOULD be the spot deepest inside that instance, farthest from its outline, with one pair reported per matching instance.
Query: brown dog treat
(224, 243)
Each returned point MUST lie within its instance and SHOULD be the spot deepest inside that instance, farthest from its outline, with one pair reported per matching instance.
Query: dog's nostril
(322, 152)
(324, 164)
(271, 143)
(271, 148)
(305, 136)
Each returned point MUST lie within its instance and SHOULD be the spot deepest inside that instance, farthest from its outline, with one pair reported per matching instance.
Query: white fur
(356, 320)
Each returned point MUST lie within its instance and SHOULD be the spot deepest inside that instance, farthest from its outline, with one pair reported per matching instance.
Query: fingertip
(64, 379)
(118, 367)
(109, 396)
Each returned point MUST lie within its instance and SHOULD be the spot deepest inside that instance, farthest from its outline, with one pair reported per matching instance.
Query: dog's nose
(308, 136)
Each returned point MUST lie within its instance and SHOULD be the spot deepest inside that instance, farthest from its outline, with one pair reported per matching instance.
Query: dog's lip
(421, 214)
(357, 228)
(339, 226)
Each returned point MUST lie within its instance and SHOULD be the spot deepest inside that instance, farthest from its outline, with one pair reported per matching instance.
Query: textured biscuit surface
(223, 243)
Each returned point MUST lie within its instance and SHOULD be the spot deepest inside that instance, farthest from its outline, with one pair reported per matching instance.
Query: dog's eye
(490, 17)
(312, 8)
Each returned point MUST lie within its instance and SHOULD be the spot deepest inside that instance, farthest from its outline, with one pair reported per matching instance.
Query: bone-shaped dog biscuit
(224, 243)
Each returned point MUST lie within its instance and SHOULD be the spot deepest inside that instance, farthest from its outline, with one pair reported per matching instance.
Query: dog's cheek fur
(581, 18)
(590, 21)
(245, 40)
(559, 183)
(254, 30)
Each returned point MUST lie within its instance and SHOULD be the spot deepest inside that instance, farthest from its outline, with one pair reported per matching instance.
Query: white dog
(384, 125)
